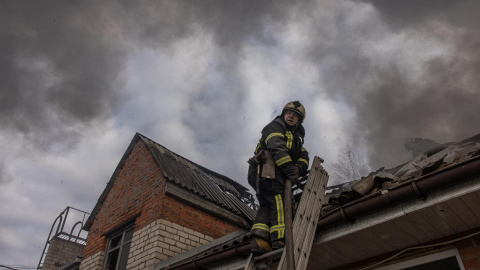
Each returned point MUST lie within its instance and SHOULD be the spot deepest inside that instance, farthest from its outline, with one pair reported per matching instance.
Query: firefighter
(283, 139)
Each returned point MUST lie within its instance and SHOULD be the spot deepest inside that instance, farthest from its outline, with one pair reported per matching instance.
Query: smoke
(407, 69)
(5, 176)
(62, 62)
(409, 72)
(60, 73)
(440, 103)
(413, 13)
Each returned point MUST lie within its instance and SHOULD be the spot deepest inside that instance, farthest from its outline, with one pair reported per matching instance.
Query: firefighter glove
(298, 171)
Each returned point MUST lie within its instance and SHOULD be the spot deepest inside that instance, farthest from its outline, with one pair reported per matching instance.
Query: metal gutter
(419, 187)
(241, 250)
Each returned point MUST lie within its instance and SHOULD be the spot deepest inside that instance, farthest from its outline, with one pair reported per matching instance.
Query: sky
(78, 79)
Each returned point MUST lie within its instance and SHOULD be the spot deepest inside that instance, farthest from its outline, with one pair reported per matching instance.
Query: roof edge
(191, 254)
(415, 187)
(204, 169)
(110, 183)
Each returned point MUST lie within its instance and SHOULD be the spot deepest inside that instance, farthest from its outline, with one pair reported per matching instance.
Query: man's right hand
(293, 180)
(292, 173)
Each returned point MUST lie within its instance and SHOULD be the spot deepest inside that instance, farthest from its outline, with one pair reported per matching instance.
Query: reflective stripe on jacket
(285, 144)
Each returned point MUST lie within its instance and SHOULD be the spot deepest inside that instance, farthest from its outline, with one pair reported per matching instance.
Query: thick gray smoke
(62, 63)
(443, 104)
(60, 69)
(391, 105)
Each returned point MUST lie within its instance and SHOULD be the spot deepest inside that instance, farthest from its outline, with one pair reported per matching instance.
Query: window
(446, 260)
(118, 247)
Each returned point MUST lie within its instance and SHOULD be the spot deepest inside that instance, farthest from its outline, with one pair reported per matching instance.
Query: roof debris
(429, 161)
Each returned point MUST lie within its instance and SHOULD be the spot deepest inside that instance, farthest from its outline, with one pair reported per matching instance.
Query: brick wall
(139, 190)
(136, 190)
(160, 240)
(93, 262)
(195, 219)
(469, 251)
(61, 252)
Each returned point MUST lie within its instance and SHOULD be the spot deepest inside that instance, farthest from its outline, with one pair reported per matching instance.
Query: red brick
(470, 252)
(471, 264)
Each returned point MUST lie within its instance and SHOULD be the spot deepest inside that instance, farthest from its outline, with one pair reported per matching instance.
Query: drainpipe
(415, 187)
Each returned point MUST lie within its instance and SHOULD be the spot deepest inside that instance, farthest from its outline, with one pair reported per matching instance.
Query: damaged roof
(433, 160)
(209, 185)
(443, 160)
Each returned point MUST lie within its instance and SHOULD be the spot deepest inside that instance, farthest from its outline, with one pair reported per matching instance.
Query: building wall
(61, 252)
(139, 190)
(160, 240)
(469, 250)
(93, 262)
(135, 191)
(191, 217)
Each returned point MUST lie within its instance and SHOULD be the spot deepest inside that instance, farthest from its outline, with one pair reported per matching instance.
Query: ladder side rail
(300, 215)
(307, 245)
(307, 230)
(317, 179)
(302, 221)
(250, 265)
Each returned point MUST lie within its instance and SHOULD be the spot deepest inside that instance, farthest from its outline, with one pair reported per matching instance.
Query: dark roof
(197, 179)
(208, 184)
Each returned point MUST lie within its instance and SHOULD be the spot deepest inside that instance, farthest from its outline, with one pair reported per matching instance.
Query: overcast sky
(79, 78)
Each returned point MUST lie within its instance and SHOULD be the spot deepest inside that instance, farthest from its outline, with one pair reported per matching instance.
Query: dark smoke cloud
(401, 14)
(60, 69)
(62, 62)
(5, 176)
(391, 106)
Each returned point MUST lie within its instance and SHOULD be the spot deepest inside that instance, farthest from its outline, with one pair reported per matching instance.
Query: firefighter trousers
(269, 222)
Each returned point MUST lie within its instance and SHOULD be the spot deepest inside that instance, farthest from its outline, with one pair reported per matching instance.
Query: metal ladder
(304, 223)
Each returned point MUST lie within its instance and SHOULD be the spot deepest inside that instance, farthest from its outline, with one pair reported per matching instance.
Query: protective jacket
(285, 144)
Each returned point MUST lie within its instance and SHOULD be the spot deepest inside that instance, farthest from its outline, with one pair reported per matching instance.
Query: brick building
(158, 204)
(161, 211)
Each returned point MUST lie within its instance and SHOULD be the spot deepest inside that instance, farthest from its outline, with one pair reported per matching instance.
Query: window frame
(109, 250)
(425, 259)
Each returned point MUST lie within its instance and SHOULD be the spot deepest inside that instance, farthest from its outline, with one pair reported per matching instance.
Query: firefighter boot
(259, 246)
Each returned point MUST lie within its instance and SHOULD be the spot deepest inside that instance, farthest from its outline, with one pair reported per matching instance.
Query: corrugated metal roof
(209, 185)
(212, 186)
